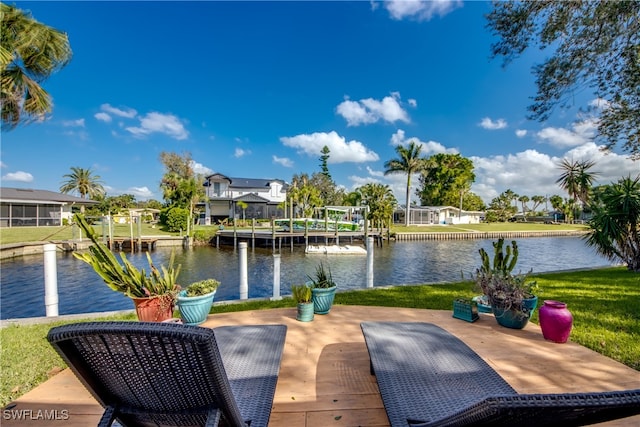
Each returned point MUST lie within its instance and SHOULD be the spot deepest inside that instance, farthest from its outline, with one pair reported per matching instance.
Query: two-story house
(260, 198)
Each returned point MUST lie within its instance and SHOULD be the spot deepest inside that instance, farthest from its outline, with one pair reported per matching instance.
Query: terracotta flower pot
(154, 309)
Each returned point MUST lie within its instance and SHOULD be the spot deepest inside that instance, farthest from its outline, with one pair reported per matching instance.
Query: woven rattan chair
(157, 374)
(428, 377)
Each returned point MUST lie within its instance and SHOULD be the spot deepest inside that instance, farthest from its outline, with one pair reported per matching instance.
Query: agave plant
(125, 277)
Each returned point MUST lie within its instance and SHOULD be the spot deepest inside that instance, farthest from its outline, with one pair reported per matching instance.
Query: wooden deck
(324, 377)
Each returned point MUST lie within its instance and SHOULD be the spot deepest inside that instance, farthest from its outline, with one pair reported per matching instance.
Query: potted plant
(323, 289)
(512, 296)
(194, 302)
(302, 294)
(153, 294)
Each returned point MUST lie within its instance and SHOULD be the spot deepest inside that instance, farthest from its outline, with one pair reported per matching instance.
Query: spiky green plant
(322, 277)
(503, 261)
(301, 293)
(125, 277)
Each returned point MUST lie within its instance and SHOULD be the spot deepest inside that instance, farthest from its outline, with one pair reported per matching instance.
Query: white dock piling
(369, 262)
(276, 278)
(50, 280)
(244, 278)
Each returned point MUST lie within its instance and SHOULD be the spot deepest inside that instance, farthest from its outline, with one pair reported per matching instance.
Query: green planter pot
(514, 319)
(194, 310)
(323, 299)
(305, 312)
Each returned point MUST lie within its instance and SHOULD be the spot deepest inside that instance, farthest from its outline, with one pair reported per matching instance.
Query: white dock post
(369, 262)
(50, 280)
(244, 281)
(276, 278)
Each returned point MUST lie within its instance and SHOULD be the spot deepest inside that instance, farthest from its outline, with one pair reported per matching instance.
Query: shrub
(176, 219)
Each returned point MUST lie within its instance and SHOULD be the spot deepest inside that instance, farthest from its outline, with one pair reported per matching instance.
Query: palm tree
(576, 179)
(524, 200)
(615, 225)
(29, 53)
(410, 163)
(84, 182)
(381, 202)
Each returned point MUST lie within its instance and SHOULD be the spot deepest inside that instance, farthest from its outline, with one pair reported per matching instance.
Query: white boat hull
(335, 250)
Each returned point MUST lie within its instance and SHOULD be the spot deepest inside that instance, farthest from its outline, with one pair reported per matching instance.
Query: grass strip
(604, 304)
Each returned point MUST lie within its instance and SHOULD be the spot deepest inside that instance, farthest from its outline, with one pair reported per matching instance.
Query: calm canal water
(401, 263)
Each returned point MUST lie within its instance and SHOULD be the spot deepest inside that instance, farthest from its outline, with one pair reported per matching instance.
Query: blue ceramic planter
(194, 310)
(323, 299)
(514, 319)
(305, 312)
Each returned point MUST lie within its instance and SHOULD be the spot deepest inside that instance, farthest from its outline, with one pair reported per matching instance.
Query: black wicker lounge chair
(156, 374)
(428, 377)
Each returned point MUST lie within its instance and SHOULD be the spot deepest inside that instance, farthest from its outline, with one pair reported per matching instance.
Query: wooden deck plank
(325, 380)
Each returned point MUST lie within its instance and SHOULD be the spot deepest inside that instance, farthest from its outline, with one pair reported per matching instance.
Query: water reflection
(81, 291)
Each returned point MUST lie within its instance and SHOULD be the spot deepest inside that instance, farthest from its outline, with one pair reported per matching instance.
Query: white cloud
(531, 172)
(200, 169)
(430, 147)
(521, 133)
(103, 117)
(374, 172)
(412, 102)
(18, 176)
(341, 151)
(140, 192)
(489, 124)
(581, 133)
(370, 110)
(154, 122)
(128, 113)
(419, 9)
(73, 123)
(239, 152)
(2, 164)
(282, 161)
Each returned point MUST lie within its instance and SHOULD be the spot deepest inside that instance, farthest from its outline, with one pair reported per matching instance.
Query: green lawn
(604, 304)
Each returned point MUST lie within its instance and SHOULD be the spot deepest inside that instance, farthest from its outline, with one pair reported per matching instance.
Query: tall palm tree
(82, 181)
(576, 179)
(409, 162)
(615, 225)
(29, 53)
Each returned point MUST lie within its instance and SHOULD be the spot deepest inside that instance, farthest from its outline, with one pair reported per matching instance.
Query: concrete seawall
(35, 248)
(484, 235)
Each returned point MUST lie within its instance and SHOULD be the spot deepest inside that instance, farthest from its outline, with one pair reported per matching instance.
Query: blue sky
(256, 89)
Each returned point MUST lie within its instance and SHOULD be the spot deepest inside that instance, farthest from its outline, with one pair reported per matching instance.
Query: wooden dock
(128, 244)
(276, 239)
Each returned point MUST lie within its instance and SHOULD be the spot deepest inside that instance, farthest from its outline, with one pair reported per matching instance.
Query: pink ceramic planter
(555, 321)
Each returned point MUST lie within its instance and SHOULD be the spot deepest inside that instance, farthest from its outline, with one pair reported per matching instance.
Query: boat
(335, 250)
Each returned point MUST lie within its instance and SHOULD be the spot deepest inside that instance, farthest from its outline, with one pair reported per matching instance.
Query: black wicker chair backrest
(149, 372)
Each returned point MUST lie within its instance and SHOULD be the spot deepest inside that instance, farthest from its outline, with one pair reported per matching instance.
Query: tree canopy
(615, 225)
(445, 179)
(29, 53)
(590, 44)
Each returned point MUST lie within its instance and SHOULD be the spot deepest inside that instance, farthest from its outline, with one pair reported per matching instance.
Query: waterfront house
(262, 198)
(433, 215)
(28, 207)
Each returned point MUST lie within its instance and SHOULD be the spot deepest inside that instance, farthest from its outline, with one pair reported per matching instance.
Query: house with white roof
(433, 215)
